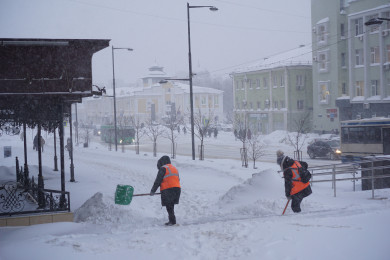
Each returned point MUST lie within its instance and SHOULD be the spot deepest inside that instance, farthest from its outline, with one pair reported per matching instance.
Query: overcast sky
(240, 32)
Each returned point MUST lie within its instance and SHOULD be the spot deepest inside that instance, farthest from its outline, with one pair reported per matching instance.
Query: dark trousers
(298, 197)
(171, 213)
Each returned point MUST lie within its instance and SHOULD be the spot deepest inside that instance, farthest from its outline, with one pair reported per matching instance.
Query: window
(322, 33)
(266, 104)
(388, 53)
(258, 105)
(344, 88)
(359, 57)
(323, 61)
(276, 104)
(300, 104)
(282, 81)
(375, 87)
(358, 26)
(342, 30)
(258, 83)
(203, 100)
(343, 60)
(265, 83)
(323, 92)
(299, 81)
(375, 55)
(386, 15)
(275, 81)
(251, 105)
(250, 83)
(359, 88)
(242, 84)
(216, 100)
(237, 85)
(282, 104)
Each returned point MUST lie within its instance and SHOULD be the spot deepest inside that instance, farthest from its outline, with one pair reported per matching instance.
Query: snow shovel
(286, 206)
(124, 194)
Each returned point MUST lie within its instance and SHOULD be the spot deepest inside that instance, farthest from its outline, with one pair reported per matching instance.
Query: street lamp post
(212, 8)
(113, 86)
(377, 20)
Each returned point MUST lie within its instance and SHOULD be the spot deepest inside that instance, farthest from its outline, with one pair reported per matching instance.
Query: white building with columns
(153, 101)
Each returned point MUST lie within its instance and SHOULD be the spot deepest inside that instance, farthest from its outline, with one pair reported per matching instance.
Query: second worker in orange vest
(169, 182)
(294, 188)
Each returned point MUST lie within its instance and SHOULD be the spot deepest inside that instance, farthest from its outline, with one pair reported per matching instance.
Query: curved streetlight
(377, 20)
(212, 8)
(113, 86)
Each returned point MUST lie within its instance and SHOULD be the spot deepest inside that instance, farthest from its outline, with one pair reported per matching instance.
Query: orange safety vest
(297, 185)
(171, 178)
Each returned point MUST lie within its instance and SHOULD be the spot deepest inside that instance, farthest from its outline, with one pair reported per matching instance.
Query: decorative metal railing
(23, 196)
(14, 199)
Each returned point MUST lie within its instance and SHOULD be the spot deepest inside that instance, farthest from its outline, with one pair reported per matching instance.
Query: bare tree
(86, 133)
(173, 122)
(256, 148)
(124, 131)
(139, 130)
(241, 130)
(298, 138)
(153, 132)
(202, 124)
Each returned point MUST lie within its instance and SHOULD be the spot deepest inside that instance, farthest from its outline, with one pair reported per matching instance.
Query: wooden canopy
(39, 76)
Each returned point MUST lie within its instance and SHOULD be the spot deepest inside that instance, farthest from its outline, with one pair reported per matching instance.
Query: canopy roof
(40, 76)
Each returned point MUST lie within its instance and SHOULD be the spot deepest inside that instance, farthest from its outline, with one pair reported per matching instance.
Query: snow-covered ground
(225, 211)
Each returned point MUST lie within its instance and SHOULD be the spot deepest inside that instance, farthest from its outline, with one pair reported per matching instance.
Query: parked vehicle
(329, 149)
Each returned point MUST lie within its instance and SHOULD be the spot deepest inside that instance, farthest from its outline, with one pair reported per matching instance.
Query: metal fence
(374, 167)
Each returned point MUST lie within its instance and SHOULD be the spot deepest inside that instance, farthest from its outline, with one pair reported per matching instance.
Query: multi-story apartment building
(351, 68)
(152, 101)
(275, 93)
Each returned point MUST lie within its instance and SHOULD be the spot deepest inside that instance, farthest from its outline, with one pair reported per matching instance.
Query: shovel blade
(123, 194)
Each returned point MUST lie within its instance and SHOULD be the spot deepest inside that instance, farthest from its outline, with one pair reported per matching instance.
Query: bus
(364, 137)
(125, 134)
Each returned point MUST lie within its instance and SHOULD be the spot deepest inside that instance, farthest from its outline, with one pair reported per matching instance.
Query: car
(329, 149)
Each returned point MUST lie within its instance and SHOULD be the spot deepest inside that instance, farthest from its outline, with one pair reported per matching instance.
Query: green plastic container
(123, 194)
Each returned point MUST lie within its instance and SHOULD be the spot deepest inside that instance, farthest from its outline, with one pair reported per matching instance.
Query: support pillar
(55, 152)
(71, 146)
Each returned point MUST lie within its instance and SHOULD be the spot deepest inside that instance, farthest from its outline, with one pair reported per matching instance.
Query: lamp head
(373, 21)
(213, 8)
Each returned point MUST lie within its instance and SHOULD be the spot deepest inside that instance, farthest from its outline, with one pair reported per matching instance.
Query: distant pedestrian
(184, 130)
(215, 132)
(35, 143)
(169, 182)
(295, 189)
(68, 146)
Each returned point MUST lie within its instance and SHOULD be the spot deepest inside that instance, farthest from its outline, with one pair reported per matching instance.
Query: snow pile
(262, 194)
(102, 210)
(277, 136)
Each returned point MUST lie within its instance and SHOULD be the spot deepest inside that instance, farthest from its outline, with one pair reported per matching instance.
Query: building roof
(298, 56)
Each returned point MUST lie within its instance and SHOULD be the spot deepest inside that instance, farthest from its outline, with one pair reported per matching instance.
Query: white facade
(151, 102)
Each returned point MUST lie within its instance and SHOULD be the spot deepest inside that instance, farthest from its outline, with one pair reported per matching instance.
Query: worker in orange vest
(169, 182)
(294, 188)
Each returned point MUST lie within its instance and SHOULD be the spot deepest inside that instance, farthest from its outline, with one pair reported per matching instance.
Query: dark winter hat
(163, 161)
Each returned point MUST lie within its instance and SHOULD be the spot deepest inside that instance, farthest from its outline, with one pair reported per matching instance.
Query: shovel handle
(286, 207)
(144, 194)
